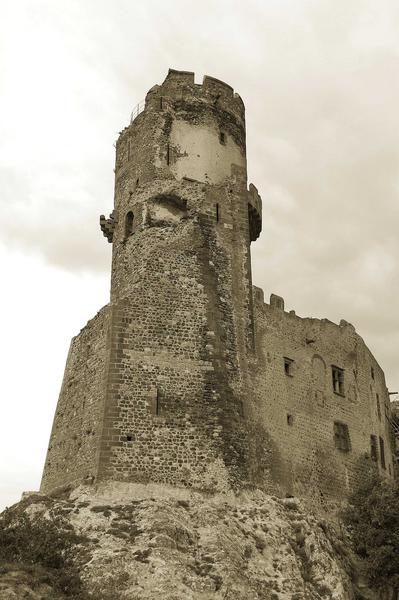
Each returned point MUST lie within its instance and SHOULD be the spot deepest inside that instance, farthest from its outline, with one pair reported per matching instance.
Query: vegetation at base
(41, 545)
(373, 521)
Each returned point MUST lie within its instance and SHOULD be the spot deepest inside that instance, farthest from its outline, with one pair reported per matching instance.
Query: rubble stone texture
(188, 546)
(187, 377)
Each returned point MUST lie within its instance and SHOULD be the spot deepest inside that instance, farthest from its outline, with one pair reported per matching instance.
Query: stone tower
(156, 385)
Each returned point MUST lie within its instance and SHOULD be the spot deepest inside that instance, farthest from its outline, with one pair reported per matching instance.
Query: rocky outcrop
(171, 544)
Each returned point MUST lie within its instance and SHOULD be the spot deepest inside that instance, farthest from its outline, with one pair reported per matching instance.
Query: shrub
(373, 520)
(46, 543)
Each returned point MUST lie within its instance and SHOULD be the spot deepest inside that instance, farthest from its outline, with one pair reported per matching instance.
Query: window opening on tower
(288, 366)
(217, 213)
(129, 224)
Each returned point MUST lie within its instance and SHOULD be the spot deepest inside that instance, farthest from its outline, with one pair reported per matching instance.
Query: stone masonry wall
(298, 410)
(72, 452)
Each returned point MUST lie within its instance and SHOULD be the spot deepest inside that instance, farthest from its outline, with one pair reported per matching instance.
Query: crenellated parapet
(179, 87)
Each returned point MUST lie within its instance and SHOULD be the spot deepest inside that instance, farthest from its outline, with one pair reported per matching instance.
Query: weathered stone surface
(186, 545)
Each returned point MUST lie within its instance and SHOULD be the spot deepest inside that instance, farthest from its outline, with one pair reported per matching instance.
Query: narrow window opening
(137, 182)
(372, 373)
(373, 448)
(241, 408)
(157, 404)
(222, 137)
(129, 224)
(288, 366)
(167, 154)
(378, 407)
(161, 103)
(338, 380)
(341, 436)
(217, 213)
(290, 420)
(382, 453)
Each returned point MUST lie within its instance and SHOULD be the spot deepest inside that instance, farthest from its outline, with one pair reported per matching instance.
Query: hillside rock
(183, 545)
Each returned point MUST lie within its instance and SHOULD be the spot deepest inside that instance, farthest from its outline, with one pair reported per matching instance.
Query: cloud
(320, 83)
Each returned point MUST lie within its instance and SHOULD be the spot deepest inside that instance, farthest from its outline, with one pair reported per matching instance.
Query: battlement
(181, 86)
(277, 305)
(208, 83)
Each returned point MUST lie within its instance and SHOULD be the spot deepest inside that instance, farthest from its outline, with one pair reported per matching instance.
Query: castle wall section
(72, 452)
(318, 435)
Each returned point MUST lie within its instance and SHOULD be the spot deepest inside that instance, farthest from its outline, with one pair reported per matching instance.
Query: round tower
(181, 292)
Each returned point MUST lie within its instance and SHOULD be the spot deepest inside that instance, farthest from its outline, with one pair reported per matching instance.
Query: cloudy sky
(320, 82)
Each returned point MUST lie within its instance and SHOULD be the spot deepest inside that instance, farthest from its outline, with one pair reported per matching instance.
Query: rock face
(184, 545)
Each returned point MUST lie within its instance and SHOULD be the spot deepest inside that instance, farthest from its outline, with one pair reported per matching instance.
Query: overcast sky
(320, 83)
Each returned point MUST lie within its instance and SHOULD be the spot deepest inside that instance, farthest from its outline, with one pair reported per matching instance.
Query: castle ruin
(187, 377)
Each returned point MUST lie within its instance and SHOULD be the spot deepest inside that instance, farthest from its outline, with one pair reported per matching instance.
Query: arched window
(129, 220)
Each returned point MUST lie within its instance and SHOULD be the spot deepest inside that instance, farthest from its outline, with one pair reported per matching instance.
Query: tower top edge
(176, 78)
(188, 77)
(180, 87)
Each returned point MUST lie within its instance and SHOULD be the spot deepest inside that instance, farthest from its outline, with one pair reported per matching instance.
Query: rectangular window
(382, 453)
(288, 366)
(341, 436)
(373, 448)
(222, 137)
(338, 380)
(372, 372)
(217, 213)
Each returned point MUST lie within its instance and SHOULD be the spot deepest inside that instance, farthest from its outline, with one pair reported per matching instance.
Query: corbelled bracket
(108, 226)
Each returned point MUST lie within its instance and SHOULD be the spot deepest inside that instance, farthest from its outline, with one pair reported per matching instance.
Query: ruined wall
(187, 377)
(73, 446)
(298, 407)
